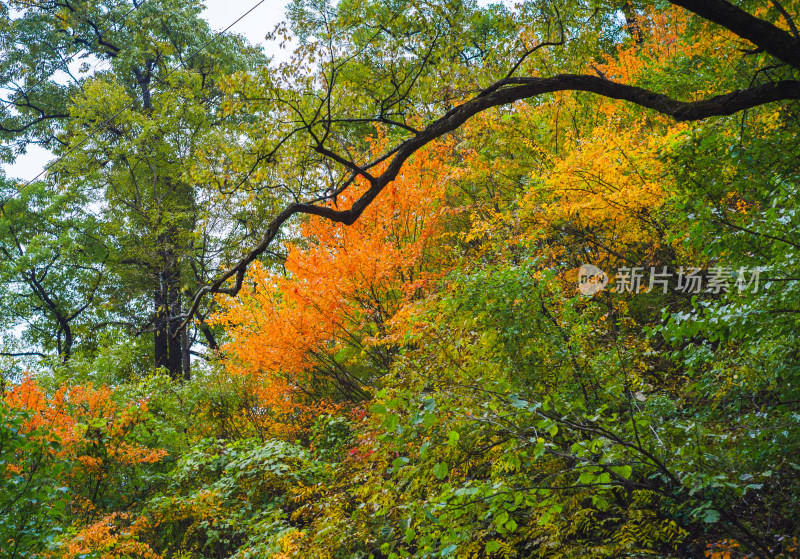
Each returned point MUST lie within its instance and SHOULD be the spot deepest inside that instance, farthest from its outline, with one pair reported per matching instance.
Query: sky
(219, 14)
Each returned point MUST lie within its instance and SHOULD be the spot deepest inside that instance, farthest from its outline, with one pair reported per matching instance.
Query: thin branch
(787, 17)
(22, 354)
(530, 51)
(504, 92)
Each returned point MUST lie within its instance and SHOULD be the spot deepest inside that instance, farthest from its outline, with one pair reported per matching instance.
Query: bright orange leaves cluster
(343, 284)
(109, 538)
(95, 435)
(90, 427)
(78, 413)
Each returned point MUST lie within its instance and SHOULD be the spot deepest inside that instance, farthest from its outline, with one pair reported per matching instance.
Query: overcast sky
(220, 14)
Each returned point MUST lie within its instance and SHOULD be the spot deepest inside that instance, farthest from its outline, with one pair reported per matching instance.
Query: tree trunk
(169, 343)
(175, 353)
(187, 363)
(632, 22)
(161, 335)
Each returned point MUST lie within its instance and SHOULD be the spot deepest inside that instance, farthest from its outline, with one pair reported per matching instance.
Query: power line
(97, 128)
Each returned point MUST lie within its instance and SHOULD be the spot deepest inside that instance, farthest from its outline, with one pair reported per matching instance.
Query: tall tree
(424, 70)
(126, 131)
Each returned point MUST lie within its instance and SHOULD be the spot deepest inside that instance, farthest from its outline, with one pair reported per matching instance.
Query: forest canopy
(450, 279)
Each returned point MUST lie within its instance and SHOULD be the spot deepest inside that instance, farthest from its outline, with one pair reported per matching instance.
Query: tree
(54, 268)
(355, 43)
(321, 329)
(125, 131)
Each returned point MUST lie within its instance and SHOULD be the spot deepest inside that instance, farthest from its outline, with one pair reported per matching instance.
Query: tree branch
(22, 354)
(503, 92)
(763, 34)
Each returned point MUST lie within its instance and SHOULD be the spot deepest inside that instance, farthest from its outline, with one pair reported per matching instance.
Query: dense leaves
(410, 370)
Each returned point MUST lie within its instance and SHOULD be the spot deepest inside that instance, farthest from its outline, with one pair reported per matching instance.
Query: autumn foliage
(429, 382)
(293, 332)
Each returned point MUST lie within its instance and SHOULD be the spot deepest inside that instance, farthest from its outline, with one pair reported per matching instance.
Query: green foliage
(227, 498)
(330, 436)
(32, 499)
(502, 414)
(54, 269)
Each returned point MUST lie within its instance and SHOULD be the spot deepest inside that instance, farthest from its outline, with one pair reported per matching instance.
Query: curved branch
(503, 92)
(773, 40)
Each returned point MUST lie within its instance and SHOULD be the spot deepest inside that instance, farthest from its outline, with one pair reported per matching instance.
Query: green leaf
(622, 471)
(378, 409)
(447, 551)
(391, 422)
(501, 518)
